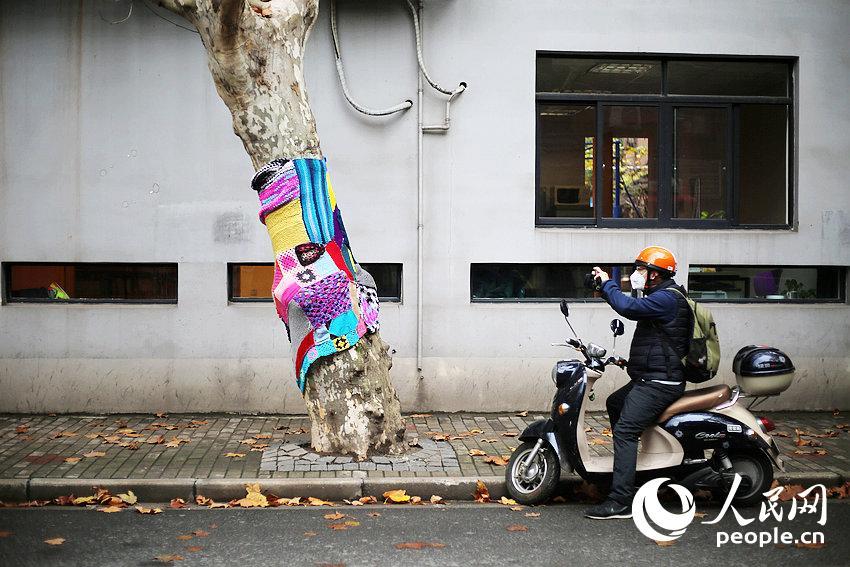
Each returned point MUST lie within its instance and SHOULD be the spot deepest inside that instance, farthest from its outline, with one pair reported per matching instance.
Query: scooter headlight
(595, 351)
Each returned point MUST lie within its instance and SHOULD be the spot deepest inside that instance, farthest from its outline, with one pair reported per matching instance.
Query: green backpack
(703, 358)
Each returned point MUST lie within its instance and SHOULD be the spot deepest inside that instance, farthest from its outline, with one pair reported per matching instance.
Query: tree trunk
(255, 52)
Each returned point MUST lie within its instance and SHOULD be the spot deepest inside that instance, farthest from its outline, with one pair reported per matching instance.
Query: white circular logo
(646, 508)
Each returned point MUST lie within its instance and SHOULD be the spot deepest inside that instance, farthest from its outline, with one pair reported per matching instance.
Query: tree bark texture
(255, 52)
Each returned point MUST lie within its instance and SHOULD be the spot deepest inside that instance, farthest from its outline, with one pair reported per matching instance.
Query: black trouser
(632, 409)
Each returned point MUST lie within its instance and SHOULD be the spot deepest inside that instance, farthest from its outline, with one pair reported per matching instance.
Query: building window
(538, 282)
(56, 282)
(767, 283)
(249, 282)
(664, 142)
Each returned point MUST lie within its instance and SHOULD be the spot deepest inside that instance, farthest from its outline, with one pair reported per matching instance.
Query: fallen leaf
(374, 514)
(151, 511)
(260, 447)
(248, 441)
(254, 498)
(22, 429)
(73, 459)
(317, 502)
(310, 534)
(532, 514)
(125, 431)
(809, 545)
(476, 453)
(168, 558)
(815, 453)
(334, 516)
(843, 426)
(517, 528)
(92, 454)
(128, 498)
(194, 548)
(517, 508)
(489, 440)
(64, 500)
(699, 514)
(420, 415)
(664, 543)
(599, 441)
(414, 443)
(522, 414)
(416, 500)
(55, 541)
(111, 509)
(161, 414)
(836, 412)
(263, 436)
(185, 537)
(177, 503)
(396, 496)
(133, 446)
(234, 455)
(607, 432)
(352, 523)
(64, 434)
(339, 526)
(507, 501)
(203, 500)
(781, 434)
(437, 499)
(840, 492)
(481, 493)
(420, 545)
(83, 500)
(789, 491)
(200, 533)
(497, 460)
(199, 422)
(156, 440)
(92, 435)
(509, 433)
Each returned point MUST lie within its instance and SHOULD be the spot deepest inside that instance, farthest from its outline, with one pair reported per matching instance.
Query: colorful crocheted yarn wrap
(325, 299)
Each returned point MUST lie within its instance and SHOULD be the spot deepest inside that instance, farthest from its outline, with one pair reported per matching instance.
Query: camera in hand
(592, 283)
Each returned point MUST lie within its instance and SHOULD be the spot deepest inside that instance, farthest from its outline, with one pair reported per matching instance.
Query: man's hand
(601, 274)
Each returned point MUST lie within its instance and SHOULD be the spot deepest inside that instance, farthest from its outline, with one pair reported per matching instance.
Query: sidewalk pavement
(181, 456)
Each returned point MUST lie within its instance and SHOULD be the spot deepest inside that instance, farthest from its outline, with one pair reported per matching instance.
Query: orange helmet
(657, 257)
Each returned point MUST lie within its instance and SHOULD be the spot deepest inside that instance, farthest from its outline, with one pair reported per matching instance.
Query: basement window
(538, 283)
(94, 282)
(252, 282)
(769, 284)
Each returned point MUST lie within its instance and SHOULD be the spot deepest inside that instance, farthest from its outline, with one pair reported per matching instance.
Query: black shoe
(608, 510)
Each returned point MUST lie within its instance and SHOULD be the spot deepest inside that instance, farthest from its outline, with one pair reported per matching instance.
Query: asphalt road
(472, 534)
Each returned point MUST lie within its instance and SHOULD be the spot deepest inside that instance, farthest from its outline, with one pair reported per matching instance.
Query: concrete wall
(95, 117)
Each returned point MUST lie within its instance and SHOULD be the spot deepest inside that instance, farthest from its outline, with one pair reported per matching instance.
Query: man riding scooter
(661, 339)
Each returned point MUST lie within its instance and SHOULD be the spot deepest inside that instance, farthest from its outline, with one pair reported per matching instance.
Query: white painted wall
(92, 115)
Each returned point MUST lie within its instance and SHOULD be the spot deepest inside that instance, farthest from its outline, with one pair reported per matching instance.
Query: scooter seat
(696, 400)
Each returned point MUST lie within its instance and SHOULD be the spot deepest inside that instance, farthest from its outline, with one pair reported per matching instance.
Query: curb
(332, 489)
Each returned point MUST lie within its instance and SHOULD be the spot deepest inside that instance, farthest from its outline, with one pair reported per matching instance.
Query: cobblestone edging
(433, 456)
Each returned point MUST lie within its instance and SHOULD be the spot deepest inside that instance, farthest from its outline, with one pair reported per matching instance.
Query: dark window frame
(231, 299)
(842, 287)
(7, 280)
(666, 104)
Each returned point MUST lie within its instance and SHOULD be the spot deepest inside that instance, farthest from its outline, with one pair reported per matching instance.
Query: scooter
(700, 441)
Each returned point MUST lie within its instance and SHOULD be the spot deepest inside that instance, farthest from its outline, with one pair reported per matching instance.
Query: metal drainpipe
(420, 228)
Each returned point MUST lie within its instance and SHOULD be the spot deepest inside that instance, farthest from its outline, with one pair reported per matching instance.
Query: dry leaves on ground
(111, 509)
(481, 494)
(476, 453)
(73, 459)
(200, 533)
(55, 541)
(599, 441)
(509, 433)
(815, 453)
(318, 502)
(128, 498)
(194, 548)
(437, 499)
(334, 516)
(176, 442)
(664, 543)
(517, 528)
(234, 455)
(420, 545)
(607, 432)
(150, 511)
(498, 460)
(168, 558)
(522, 414)
(362, 501)
(532, 514)
(840, 492)
(310, 534)
(177, 503)
(396, 496)
(93, 454)
(254, 499)
(507, 501)
(184, 537)
(809, 545)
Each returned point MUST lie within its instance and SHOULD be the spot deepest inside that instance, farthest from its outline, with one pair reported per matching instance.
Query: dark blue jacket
(662, 312)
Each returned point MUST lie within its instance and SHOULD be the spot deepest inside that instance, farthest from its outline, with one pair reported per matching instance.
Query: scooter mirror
(565, 308)
(617, 327)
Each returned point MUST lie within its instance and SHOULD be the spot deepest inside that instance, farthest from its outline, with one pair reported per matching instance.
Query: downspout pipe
(420, 226)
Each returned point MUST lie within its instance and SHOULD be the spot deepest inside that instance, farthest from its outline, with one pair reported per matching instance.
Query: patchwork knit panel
(325, 308)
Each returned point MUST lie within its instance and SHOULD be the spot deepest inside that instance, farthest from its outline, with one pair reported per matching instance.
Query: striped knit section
(315, 204)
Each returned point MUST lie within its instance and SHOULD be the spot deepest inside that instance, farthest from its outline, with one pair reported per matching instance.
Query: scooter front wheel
(534, 482)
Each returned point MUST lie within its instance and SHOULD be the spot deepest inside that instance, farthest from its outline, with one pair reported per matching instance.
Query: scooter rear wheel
(756, 471)
(536, 484)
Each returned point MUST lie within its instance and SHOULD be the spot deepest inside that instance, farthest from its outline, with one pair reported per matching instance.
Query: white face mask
(637, 280)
